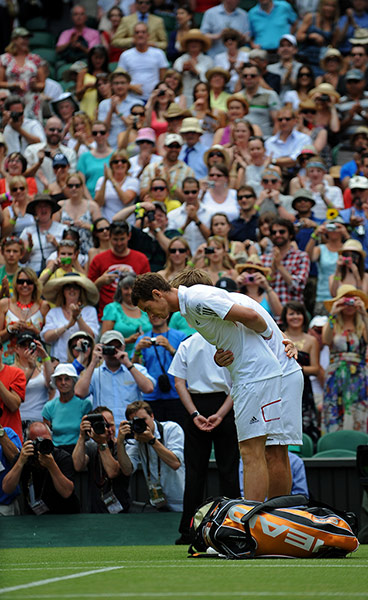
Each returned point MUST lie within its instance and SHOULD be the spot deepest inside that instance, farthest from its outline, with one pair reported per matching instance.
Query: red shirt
(14, 380)
(108, 261)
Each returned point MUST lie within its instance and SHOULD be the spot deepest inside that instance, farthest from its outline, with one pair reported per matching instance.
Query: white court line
(214, 564)
(25, 586)
(204, 594)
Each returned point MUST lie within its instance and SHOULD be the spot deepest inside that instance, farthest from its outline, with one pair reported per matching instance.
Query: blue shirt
(195, 159)
(268, 28)
(349, 169)
(363, 239)
(153, 367)
(361, 21)
(65, 418)
(216, 19)
(116, 389)
(291, 147)
(5, 467)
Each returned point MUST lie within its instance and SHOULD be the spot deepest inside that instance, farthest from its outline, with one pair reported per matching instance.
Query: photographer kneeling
(159, 449)
(45, 473)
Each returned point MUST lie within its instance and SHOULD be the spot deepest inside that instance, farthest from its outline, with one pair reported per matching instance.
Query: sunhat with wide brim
(324, 88)
(360, 36)
(253, 262)
(239, 98)
(53, 288)
(64, 96)
(217, 71)
(31, 207)
(331, 53)
(175, 112)
(195, 35)
(352, 246)
(349, 291)
(217, 148)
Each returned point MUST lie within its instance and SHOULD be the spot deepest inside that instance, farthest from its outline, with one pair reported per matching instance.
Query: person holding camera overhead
(159, 449)
(350, 268)
(45, 473)
(115, 382)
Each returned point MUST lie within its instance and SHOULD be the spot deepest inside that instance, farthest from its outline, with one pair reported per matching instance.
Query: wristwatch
(2, 431)
(151, 442)
(198, 223)
(157, 229)
(194, 414)
(102, 447)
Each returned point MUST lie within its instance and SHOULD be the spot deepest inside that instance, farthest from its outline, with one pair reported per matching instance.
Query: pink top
(91, 36)
(158, 126)
(225, 136)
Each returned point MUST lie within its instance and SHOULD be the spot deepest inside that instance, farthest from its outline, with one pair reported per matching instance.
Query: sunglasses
(216, 175)
(13, 239)
(250, 76)
(278, 232)
(280, 119)
(55, 129)
(246, 196)
(117, 161)
(219, 154)
(190, 192)
(21, 188)
(74, 185)
(309, 111)
(140, 114)
(269, 180)
(101, 229)
(99, 132)
(158, 188)
(175, 250)
(176, 146)
(231, 39)
(25, 281)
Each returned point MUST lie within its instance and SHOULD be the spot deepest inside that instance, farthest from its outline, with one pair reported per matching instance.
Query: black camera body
(324, 98)
(97, 423)
(83, 346)
(138, 426)
(32, 347)
(209, 250)
(15, 116)
(150, 214)
(153, 341)
(42, 445)
(108, 350)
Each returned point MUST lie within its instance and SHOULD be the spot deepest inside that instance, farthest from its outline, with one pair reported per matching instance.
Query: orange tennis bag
(285, 526)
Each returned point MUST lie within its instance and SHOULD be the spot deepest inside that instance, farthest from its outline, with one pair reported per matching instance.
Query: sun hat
(175, 111)
(119, 71)
(360, 36)
(20, 32)
(74, 69)
(64, 369)
(346, 290)
(146, 134)
(361, 130)
(308, 103)
(257, 53)
(217, 71)
(53, 288)
(290, 38)
(239, 98)
(173, 138)
(303, 194)
(358, 182)
(318, 321)
(191, 125)
(61, 98)
(31, 207)
(253, 262)
(352, 246)
(324, 88)
(331, 53)
(195, 35)
(218, 148)
(354, 74)
(79, 334)
(308, 150)
(110, 336)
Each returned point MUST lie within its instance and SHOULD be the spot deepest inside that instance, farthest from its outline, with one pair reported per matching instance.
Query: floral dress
(345, 402)
(85, 235)
(15, 73)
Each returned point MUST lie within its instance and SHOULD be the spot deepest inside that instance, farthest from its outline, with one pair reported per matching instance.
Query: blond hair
(190, 276)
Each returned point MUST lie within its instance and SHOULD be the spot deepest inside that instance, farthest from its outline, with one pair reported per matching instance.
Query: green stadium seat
(306, 449)
(48, 54)
(197, 18)
(42, 39)
(36, 24)
(335, 453)
(348, 440)
(60, 69)
(113, 66)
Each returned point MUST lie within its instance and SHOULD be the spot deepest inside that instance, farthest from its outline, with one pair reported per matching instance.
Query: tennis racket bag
(285, 526)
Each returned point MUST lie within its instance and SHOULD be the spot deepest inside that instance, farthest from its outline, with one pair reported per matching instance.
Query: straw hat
(307, 104)
(352, 246)
(53, 288)
(119, 71)
(175, 111)
(253, 262)
(349, 291)
(31, 207)
(324, 88)
(191, 125)
(195, 35)
(360, 36)
(331, 53)
(217, 71)
(239, 98)
(218, 148)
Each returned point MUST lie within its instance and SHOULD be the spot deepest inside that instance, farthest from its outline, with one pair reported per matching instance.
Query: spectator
(176, 170)
(105, 267)
(19, 131)
(49, 476)
(42, 154)
(121, 314)
(117, 381)
(289, 266)
(155, 350)
(92, 163)
(15, 164)
(97, 452)
(15, 216)
(80, 348)
(269, 20)
(263, 103)
(85, 90)
(353, 107)
(359, 144)
(81, 139)
(307, 118)
(285, 146)
(156, 108)
(218, 264)
(144, 63)
(191, 218)
(268, 80)
(345, 399)
(233, 58)
(355, 196)
(192, 152)
(237, 108)
(217, 79)
(66, 262)
(114, 111)
(145, 142)
(174, 80)
(74, 296)
(135, 122)
(114, 16)
(74, 44)
(305, 221)
(299, 94)
(125, 34)
(10, 446)
(325, 196)
(355, 17)
(64, 107)
(359, 59)
(184, 22)
(220, 197)
(12, 393)
(218, 18)
(253, 281)
(245, 226)
(287, 67)
(332, 68)
(270, 198)
(201, 109)
(101, 238)
(251, 174)
(220, 225)
(193, 63)
(159, 450)
(349, 268)
(206, 398)
(12, 249)
(178, 256)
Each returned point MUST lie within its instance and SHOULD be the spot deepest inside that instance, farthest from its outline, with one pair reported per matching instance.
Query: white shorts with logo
(291, 411)
(257, 408)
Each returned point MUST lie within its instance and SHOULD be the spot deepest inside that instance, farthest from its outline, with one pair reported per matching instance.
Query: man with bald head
(42, 154)
(45, 473)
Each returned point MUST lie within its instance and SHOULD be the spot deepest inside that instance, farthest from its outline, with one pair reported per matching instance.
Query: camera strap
(43, 259)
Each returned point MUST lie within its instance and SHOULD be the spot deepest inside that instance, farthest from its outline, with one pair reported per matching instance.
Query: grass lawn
(139, 572)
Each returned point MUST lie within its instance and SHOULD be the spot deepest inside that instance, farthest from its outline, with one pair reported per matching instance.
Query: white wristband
(267, 332)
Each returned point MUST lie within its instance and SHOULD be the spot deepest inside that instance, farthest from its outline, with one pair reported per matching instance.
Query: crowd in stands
(164, 136)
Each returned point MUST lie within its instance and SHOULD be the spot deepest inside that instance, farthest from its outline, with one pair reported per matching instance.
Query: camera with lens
(15, 116)
(83, 346)
(153, 341)
(137, 425)
(150, 214)
(249, 279)
(349, 301)
(161, 93)
(97, 423)
(42, 445)
(324, 98)
(331, 227)
(108, 350)
(209, 250)
(32, 347)
(346, 260)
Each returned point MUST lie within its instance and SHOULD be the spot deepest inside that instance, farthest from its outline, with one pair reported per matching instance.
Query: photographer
(45, 473)
(155, 350)
(118, 381)
(96, 450)
(10, 446)
(18, 131)
(158, 447)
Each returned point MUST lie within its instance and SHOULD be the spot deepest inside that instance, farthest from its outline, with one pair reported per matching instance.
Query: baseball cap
(226, 283)
(318, 321)
(290, 38)
(64, 369)
(354, 74)
(173, 138)
(60, 159)
(110, 336)
(358, 182)
(160, 205)
(20, 32)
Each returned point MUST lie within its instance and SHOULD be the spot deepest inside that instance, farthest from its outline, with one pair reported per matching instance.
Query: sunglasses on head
(25, 281)
(99, 132)
(101, 229)
(175, 250)
(116, 161)
(21, 188)
(158, 188)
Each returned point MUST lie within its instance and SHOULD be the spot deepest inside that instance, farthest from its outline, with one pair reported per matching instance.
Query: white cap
(318, 321)
(358, 182)
(64, 369)
(172, 138)
(290, 38)
(110, 336)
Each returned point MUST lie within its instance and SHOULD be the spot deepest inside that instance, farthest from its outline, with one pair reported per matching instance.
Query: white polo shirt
(205, 308)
